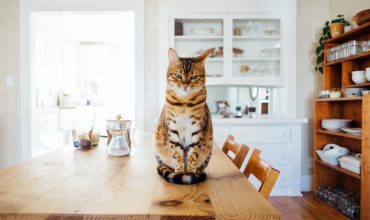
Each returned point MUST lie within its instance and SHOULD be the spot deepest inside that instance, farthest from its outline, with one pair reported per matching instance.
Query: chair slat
(265, 173)
(240, 151)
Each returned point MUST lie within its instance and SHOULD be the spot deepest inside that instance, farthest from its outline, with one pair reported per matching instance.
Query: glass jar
(118, 131)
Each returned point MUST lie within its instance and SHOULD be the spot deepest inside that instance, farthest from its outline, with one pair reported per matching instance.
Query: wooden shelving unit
(337, 74)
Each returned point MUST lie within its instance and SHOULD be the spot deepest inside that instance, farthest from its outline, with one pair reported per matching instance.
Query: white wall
(151, 63)
(312, 14)
(347, 8)
(10, 149)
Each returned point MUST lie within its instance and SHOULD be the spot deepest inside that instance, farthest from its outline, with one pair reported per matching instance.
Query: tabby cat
(183, 136)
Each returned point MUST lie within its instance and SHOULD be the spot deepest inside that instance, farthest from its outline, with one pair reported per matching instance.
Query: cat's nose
(185, 86)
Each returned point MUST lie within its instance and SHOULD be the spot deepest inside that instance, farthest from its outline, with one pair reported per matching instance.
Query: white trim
(306, 183)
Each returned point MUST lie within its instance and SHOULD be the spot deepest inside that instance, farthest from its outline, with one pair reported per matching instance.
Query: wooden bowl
(362, 17)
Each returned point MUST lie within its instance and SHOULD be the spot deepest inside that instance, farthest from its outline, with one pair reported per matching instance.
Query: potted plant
(326, 34)
(337, 26)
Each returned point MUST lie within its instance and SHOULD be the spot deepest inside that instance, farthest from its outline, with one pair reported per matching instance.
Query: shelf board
(339, 134)
(186, 37)
(255, 59)
(351, 35)
(215, 59)
(334, 63)
(357, 85)
(339, 169)
(351, 58)
(256, 37)
(343, 99)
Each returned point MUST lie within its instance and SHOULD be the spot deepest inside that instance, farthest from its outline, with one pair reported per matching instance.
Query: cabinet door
(256, 47)
(193, 34)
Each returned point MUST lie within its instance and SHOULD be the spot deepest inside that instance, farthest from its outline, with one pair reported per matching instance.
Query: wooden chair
(240, 151)
(265, 173)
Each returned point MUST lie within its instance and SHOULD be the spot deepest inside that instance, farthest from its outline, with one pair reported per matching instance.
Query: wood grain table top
(70, 183)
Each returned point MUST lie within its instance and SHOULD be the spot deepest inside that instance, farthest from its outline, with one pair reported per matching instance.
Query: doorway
(82, 73)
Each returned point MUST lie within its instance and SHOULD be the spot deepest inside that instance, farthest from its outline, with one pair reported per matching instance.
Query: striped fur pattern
(183, 136)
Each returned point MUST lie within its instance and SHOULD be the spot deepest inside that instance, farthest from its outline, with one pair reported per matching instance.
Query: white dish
(365, 92)
(353, 131)
(351, 92)
(351, 162)
(358, 77)
(335, 124)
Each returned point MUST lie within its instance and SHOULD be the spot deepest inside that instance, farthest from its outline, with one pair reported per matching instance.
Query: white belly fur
(185, 128)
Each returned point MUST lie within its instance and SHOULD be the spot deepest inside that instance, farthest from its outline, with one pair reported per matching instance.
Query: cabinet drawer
(219, 135)
(274, 157)
(261, 134)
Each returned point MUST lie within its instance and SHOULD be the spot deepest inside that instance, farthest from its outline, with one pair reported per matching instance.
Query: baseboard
(306, 183)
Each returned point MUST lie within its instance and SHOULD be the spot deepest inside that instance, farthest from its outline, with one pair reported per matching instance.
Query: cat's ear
(172, 57)
(204, 55)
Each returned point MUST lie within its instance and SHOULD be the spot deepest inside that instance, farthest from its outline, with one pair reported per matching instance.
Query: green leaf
(321, 70)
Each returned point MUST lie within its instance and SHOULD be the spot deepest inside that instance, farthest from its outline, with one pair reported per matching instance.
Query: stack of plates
(353, 131)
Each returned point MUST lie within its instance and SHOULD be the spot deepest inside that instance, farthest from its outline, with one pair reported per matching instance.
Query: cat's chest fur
(183, 129)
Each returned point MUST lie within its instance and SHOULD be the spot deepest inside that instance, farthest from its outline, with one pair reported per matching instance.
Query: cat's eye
(178, 76)
(194, 77)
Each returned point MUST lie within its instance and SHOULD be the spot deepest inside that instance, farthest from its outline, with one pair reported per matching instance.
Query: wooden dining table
(83, 184)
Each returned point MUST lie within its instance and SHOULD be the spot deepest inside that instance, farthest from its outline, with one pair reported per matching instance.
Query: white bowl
(367, 75)
(358, 77)
(350, 92)
(335, 124)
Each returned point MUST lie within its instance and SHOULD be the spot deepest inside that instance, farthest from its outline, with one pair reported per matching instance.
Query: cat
(184, 136)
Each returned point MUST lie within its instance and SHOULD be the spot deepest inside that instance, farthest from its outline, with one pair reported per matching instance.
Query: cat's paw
(179, 169)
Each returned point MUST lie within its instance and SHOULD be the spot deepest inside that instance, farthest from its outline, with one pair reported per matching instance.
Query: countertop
(260, 120)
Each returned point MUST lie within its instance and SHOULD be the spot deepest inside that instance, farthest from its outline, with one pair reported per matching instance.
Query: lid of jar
(118, 119)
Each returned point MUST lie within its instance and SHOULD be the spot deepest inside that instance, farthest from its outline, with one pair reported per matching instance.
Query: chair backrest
(265, 173)
(240, 151)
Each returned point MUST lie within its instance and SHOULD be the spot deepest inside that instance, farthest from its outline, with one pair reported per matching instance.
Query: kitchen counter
(70, 183)
(259, 120)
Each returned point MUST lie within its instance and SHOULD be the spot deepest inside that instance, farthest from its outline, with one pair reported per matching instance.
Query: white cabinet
(280, 141)
(248, 48)
(46, 135)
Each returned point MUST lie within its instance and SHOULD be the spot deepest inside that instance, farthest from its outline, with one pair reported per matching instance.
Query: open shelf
(358, 85)
(342, 99)
(337, 75)
(356, 57)
(196, 38)
(217, 59)
(339, 134)
(256, 37)
(339, 169)
(350, 35)
(255, 59)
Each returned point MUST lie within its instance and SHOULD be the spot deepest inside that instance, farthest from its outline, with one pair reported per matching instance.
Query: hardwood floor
(306, 207)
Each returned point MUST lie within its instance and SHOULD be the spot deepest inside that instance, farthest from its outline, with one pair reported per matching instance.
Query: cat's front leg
(178, 156)
(193, 159)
